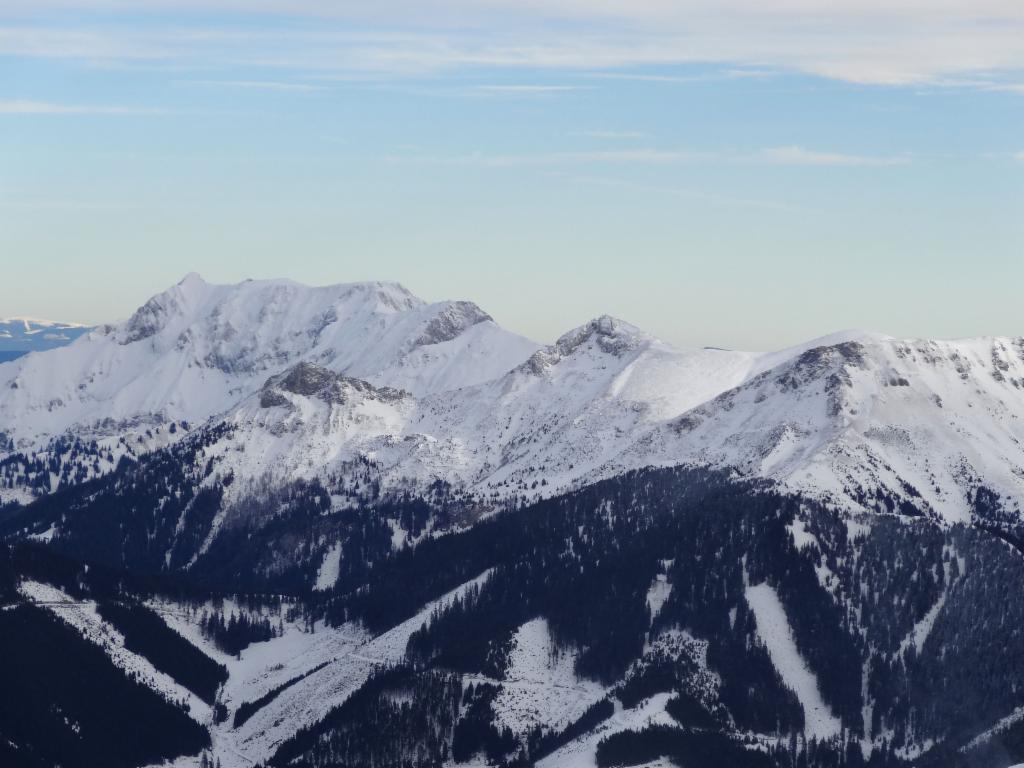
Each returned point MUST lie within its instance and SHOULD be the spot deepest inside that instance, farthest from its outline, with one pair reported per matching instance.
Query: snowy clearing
(774, 630)
(541, 686)
(83, 616)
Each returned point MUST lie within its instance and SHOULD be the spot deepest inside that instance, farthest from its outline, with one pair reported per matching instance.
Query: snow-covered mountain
(431, 541)
(197, 349)
(21, 335)
(889, 423)
(564, 411)
(882, 423)
(312, 379)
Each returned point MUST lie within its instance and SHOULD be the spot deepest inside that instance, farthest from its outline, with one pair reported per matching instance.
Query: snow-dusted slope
(876, 420)
(567, 410)
(198, 349)
(573, 405)
(879, 420)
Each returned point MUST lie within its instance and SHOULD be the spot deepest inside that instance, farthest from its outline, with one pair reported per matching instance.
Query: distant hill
(21, 335)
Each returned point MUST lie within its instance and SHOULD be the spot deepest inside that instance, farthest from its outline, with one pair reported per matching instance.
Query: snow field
(540, 686)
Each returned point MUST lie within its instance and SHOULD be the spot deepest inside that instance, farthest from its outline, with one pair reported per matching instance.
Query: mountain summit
(197, 349)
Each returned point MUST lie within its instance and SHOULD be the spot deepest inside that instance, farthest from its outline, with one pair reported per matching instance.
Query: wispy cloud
(1019, 156)
(1004, 87)
(704, 77)
(891, 42)
(526, 89)
(260, 85)
(794, 155)
(21, 107)
(484, 160)
(614, 135)
(783, 156)
(86, 44)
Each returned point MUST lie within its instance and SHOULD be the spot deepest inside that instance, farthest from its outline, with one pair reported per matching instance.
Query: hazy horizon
(797, 341)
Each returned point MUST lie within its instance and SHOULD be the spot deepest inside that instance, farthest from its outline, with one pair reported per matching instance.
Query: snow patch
(327, 576)
(582, 753)
(540, 685)
(923, 628)
(802, 537)
(657, 594)
(776, 634)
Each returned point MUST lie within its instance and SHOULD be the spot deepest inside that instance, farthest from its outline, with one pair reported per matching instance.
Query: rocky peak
(153, 316)
(389, 295)
(453, 320)
(836, 359)
(306, 379)
(609, 335)
(311, 380)
(149, 319)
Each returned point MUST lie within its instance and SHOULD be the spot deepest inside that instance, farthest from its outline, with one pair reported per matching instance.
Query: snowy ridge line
(83, 616)
(581, 751)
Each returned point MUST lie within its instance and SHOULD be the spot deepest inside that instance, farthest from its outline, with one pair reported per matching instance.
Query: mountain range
(312, 378)
(21, 335)
(344, 526)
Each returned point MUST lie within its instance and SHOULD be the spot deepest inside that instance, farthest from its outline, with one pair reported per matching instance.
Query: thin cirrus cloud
(614, 135)
(1004, 87)
(794, 155)
(486, 160)
(895, 42)
(23, 107)
(526, 89)
(706, 77)
(260, 85)
(782, 156)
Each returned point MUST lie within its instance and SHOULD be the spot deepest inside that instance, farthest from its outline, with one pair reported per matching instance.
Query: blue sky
(734, 173)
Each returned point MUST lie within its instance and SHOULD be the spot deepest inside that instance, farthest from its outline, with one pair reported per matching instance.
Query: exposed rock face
(307, 379)
(147, 321)
(609, 335)
(451, 322)
(312, 380)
